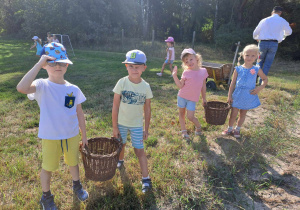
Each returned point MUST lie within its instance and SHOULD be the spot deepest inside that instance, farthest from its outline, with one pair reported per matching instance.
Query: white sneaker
(159, 74)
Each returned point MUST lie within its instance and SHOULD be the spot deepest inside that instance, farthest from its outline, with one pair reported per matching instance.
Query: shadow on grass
(224, 175)
(148, 200)
(239, 172)
(106, 196)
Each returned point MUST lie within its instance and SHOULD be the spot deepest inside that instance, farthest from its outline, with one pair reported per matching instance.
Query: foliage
(228, 34)
(93, 22)
(207, 31)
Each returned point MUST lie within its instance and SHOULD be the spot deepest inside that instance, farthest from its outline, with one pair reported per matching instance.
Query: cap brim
(128, 62)
(182, 55)
(61, 61)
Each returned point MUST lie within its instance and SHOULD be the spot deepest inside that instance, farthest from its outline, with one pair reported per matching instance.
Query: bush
(229, 34)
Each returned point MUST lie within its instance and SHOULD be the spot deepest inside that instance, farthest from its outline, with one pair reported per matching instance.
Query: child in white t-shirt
(191, 85)
(61, 118)
(132, 100)
(170, 56)
(55, 39)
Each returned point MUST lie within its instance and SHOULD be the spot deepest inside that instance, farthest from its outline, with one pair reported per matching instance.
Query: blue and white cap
(57, 51)
(135, 57)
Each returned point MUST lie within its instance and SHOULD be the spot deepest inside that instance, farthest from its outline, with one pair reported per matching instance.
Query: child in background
(242, 92)
(192, 83)
(55, 39)
(61, 117)
(170, 55)
(132, 99)
(38, 45)
(49, 38)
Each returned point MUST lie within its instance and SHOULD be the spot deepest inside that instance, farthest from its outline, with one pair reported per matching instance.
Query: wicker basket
(100, 158)
(216, 112)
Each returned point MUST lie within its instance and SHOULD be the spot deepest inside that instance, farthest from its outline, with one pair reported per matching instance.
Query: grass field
(259, 171)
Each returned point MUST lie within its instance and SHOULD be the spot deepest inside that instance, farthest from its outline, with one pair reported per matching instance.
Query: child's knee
(191, 117)
(140, 153)
(181, 115)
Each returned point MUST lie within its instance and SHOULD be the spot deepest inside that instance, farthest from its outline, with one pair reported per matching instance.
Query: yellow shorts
(52, 150)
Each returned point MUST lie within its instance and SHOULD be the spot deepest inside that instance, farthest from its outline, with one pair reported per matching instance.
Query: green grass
(213, 172)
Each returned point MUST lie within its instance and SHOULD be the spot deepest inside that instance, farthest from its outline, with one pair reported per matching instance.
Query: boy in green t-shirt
(132, 100)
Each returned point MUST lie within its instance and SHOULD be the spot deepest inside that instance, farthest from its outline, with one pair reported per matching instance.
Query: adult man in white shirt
(269, 32)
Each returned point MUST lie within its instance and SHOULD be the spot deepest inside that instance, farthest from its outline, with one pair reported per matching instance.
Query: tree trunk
(216, 19)
(145, 15)
(181, 20)
(240, 12)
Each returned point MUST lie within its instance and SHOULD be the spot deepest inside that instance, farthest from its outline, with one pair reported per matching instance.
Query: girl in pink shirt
(192, 83)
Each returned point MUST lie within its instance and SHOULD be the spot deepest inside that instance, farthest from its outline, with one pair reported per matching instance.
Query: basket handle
(119, 138)
(87, 149)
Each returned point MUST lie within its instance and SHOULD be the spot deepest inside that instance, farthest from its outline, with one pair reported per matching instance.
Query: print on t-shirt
(69, 100)
(130, 97)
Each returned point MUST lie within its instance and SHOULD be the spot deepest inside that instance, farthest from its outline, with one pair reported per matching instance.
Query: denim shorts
(136, 134)
(167, 60)
(184, 103)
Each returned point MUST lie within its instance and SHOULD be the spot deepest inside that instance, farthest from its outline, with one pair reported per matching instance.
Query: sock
(237, 128)
(46, 194)
(145, 184)
(119, 164)
(77, 184)
(230, 128)
(148, 177)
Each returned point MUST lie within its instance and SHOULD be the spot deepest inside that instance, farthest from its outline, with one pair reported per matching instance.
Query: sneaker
(226, 132)
(120, 163)
(159, 74)
(198, 133)
(184, 135)
(81, 194)
(146, 185)
(48, 203)
(236, 134)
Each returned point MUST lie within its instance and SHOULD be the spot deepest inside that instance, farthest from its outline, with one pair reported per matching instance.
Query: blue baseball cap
(135, 57)
(57, 51)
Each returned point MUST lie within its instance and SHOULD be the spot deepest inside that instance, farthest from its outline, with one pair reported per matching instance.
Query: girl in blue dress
(242, 94)
(38, 45)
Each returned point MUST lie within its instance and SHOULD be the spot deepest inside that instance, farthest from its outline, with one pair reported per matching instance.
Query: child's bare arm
(179, 83)
(33, 46)
(203, 93)
(115, 112)
(147, 115)
(232, 86)
(170, 56)
(264, 79)
(25, 85)
(81, 122)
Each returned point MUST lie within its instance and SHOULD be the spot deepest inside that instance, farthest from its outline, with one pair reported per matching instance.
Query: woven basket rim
(97, 156)
(212, 108)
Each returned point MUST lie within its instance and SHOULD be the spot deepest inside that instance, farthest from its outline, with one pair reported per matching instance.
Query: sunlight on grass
(211, 172)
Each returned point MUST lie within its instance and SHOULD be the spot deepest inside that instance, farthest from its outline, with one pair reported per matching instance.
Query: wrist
(115, 127)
